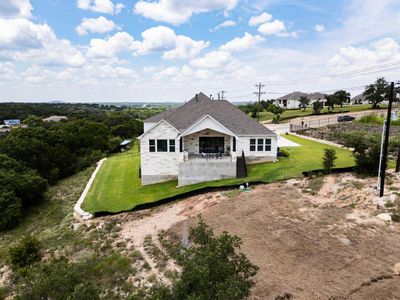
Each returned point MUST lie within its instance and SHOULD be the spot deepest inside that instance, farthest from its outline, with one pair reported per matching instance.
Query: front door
(211, 145)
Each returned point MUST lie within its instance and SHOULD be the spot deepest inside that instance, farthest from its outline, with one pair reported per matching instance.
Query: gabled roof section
(200, 125)
(222, 111)
(156, 125)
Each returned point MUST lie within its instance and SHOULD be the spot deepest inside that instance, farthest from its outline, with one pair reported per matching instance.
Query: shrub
(25, 253)
(10, 210)
(367, 161)
(396, 216)
(284, 153)
(328, 161)
(57, 279)
(213, 268)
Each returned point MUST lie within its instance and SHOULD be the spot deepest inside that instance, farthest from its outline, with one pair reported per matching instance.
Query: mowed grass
(117, 185)
(293, 113)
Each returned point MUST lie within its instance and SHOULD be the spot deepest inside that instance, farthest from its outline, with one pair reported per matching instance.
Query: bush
(328, 161)
(396, 216)
(367, 160)
(284, 153)
(10, 210)
(211, 269)
(57, 279)
(25, 253)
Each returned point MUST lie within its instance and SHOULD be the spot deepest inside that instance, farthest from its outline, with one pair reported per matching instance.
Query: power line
(364, 71)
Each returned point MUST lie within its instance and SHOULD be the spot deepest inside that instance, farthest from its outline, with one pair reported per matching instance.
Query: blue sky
(167, 50)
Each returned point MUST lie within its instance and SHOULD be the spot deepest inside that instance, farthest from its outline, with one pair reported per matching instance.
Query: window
(162, 145)
(152, 145)
(171, 145)
(267, 144)
(252, 144)
(234, 144)
(260, 144)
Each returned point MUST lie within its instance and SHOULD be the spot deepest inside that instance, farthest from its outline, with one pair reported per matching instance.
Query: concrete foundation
(151, 179)
(194, 172)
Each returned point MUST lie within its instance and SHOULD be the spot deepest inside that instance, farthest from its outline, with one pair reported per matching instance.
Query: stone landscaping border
(79, 213)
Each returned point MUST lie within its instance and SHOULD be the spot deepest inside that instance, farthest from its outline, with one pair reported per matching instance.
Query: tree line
(43, 153)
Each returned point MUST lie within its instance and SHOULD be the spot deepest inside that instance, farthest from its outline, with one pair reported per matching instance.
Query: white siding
(159, 166)
(147, 126)
(243, 144)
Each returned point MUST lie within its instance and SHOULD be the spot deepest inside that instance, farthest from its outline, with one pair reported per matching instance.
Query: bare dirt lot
(314, 239)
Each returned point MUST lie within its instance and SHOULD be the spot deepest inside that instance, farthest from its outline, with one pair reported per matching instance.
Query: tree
(211, 269)
(10, 209)
(376, 92)
(342, 97)
(276, 111)
(329, 158)
(330, 102)
(304, 102)
(317, 107)
(366, 152)
(25, 253)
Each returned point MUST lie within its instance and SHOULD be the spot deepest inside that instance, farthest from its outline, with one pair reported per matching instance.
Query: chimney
(196, 98)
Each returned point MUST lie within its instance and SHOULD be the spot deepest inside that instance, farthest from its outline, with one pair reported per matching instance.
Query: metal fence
(321, 122)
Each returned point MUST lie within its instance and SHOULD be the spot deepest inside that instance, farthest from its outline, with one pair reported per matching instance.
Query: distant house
(202, 140)
(12, 122)
(362, 99)
(55, 119)
(292, 100)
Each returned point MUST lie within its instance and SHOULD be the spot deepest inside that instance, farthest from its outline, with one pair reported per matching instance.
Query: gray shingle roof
(223, 111)
(297, 95)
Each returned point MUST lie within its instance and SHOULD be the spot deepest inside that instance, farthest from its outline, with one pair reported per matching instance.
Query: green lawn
(292, 113)
(117, 186)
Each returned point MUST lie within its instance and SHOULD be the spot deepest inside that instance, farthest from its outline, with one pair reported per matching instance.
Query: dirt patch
(326, 245)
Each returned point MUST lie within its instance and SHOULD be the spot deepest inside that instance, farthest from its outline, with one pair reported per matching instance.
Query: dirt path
(330, 245)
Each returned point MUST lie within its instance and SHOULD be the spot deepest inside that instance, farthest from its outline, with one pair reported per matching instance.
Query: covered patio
(208, 145)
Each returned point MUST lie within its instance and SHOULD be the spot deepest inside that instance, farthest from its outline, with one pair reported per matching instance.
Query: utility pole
(259, 93)
(383, 162)
(222, 94)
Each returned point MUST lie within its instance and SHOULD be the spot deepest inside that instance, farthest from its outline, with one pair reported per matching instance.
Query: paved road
(320, 121)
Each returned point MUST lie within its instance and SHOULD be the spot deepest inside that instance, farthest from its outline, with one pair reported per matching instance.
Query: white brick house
(202, 140)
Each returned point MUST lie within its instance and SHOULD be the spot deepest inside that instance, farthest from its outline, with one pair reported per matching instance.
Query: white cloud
(99, 25)
(260, 19)
(100, 6)
(111, 46)
(276, 27)
(213, 59)
(36, 43)
(242, 43)
(319, 28)
(22, 33)
(227, 23)
(15, 8)
(382, 51)
(184, 73)
(161, 38)
(178, 11)
(149, 69)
